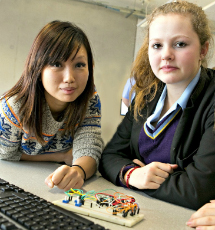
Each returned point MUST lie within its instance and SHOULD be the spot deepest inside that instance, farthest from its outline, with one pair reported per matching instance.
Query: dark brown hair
(55, 42)
(147, 83)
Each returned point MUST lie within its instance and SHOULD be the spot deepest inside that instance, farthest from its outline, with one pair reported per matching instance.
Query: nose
(68, 75)
(167, 54)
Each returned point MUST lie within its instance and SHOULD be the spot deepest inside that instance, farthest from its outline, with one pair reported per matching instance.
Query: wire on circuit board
(115, 203)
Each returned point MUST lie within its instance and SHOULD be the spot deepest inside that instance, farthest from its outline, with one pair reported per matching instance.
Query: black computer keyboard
(23, 210)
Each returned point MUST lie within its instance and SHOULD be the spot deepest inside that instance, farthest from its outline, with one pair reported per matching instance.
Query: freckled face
(174, 49)
(65, 81)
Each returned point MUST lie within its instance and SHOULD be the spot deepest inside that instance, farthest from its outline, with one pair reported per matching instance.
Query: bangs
(60, 46)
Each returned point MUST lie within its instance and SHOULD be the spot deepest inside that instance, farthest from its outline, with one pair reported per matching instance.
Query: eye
(180, 44)
(56, 64)
(80, 65)
(156, 45)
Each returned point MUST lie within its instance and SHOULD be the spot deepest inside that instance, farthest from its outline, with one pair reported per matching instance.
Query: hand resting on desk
(153, 174)
(65, 177)
(204, 218)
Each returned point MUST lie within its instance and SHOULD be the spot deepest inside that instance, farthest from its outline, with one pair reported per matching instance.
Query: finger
(158, 180)
(174, 166)
(203, 212)
(203, 221)
(205, 228)
(140, 163)
(49, 181)
(153, 169)
(59, 174)
(68, 180)
(206, 210)
(151, 185)
(163, 166)
(75, 185)
(72, 184)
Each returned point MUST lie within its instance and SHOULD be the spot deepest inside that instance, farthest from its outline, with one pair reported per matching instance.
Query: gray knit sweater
(15, 139)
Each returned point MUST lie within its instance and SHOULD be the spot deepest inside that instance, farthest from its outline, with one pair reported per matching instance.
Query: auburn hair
(147, 84)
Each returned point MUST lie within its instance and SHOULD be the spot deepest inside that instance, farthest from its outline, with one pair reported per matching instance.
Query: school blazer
(192, 149)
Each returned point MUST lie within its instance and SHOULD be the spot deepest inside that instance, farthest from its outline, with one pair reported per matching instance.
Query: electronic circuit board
(101, 213)
(122, 211)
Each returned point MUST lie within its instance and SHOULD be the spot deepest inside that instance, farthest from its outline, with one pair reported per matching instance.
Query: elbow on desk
(9, 157)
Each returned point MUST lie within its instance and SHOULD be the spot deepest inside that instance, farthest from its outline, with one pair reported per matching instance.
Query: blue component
(78, 203)
(66, 201)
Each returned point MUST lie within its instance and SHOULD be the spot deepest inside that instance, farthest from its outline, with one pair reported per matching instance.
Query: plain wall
(211, 62)
(112, 37)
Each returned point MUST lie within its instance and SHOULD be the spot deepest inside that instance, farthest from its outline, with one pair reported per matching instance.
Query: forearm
(88, 142)
(55, 157)
(88, 164)
(87, 138)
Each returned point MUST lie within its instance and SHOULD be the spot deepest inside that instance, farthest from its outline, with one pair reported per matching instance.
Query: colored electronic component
(117, 207)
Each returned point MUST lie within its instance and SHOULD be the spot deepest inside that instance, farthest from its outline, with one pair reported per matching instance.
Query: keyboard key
(16, 216)
(11, 212)
(8, 226)
(2, 205)
(5, 209)
(37, 227)
(52, 228)
(2, 220)
(3, 182)
(23, 219)
(29, 224)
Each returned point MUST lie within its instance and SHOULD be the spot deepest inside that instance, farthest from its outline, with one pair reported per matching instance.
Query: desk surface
(158, 215)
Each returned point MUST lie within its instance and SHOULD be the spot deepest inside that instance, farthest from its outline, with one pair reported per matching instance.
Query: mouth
(68, 90)
(168, 68)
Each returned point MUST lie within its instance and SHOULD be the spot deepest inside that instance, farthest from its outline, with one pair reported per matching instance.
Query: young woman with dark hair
(53, 112)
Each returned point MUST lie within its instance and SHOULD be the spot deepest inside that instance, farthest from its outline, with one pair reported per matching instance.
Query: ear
(204, 50)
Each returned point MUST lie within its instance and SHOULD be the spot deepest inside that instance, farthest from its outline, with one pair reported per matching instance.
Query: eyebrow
(174, 37)
(79, 57)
